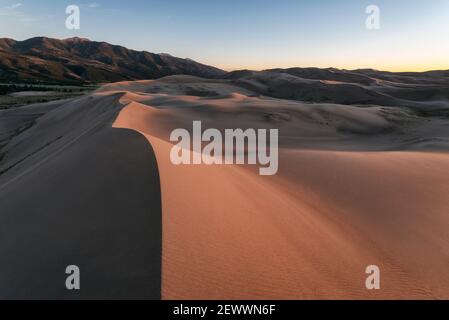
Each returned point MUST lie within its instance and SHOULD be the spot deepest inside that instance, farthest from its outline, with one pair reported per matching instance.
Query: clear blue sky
(255, 34)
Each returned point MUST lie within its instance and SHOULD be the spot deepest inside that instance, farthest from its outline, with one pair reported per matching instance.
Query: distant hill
(363, 86)
(82, 60)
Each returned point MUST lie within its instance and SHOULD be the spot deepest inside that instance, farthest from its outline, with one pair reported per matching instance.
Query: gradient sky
(253, 34)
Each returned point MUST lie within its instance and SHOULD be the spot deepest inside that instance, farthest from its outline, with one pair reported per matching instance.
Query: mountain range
(78, 60)
(83, 61)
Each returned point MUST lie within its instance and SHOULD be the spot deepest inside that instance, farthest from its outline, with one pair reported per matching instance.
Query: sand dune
(69, 195)
(357, 185)
(310, 231)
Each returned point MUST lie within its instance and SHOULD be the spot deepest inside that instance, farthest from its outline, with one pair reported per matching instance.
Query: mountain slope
(82, 60)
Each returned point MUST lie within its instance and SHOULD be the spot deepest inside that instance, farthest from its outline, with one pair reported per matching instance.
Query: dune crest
(336, 206)
(357, 185)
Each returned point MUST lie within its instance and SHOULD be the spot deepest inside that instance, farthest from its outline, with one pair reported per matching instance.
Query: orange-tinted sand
(308, 232)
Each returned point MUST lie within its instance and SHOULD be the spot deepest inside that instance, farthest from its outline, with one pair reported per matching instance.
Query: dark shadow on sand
(96, 205)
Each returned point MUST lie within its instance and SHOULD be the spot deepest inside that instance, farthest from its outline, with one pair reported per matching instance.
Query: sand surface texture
(356, 186)
(359, 184)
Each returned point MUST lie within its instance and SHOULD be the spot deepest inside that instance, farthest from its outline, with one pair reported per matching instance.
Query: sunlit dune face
(306, 233)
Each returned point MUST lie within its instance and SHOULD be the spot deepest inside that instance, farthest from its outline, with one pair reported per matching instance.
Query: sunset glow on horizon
(254, 34)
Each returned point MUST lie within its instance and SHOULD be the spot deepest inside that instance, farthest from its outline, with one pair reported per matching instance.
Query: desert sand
(69, 196)
(357, 185)
(310, 231)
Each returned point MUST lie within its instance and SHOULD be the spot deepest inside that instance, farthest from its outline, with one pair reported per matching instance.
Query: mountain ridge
(80, 60)
(84, 61)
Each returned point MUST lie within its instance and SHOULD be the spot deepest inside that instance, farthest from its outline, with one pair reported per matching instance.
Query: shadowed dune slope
(75, 191)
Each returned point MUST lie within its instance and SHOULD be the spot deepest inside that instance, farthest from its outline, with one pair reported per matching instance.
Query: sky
(252, 34)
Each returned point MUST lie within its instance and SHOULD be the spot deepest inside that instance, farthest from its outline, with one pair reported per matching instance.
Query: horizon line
(242, 68)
